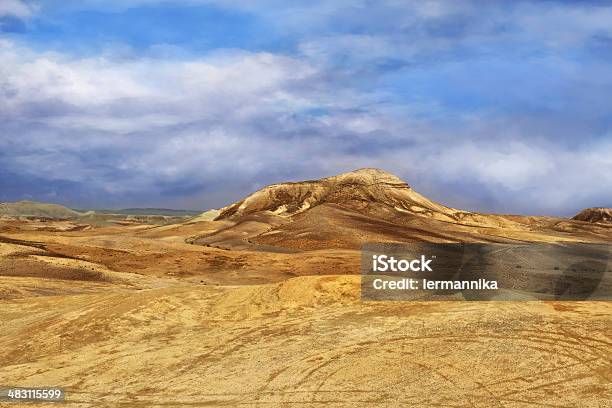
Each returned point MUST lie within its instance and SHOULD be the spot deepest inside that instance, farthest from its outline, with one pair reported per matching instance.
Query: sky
(491, 106)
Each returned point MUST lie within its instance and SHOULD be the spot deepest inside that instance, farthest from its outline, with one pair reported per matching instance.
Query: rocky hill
(598, 215)
(371, 205)
(368, 191)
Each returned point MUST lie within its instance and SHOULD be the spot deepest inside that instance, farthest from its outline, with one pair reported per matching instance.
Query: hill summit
(598, 214)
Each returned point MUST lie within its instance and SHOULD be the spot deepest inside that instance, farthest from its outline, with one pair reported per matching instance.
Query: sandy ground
(133, 316)
(306, 342)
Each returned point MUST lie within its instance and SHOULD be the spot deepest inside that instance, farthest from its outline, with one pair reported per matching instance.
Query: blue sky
(497, 106)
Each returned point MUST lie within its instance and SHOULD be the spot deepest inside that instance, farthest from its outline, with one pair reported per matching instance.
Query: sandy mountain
(600, 214)
(359, 190)
(35, 209)
(368, 191)
(370, 205)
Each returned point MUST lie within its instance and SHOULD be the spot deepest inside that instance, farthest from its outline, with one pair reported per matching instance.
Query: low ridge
(36, 209)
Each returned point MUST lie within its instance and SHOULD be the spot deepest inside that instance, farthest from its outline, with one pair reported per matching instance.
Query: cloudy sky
(496, 106)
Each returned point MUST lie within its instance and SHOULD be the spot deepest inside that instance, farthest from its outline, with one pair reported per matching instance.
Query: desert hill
(368, 191)
(603, 215)
(360, 190)
(36, 209)
(367, 205)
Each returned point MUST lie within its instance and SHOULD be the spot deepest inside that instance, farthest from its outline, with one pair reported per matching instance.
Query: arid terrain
(258, 304)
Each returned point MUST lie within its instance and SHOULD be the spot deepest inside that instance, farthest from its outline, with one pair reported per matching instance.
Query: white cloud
(152, 120)
(103, 94)
(141, 125)
(16, 8)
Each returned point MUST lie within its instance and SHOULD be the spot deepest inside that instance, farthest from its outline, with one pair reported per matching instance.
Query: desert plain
(258, 304)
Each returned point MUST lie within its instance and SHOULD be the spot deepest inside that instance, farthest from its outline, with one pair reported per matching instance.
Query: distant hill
(56, 211)
(600, 214)
(149, 211)
(35, 209)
